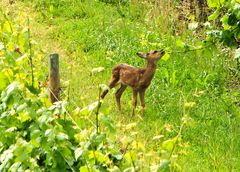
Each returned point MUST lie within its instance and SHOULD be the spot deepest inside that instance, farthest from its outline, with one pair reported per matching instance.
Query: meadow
(192, 110)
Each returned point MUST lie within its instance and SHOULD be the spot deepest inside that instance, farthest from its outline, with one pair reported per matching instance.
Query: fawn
(137, 78)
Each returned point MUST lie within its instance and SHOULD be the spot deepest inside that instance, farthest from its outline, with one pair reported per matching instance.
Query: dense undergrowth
(192, 118)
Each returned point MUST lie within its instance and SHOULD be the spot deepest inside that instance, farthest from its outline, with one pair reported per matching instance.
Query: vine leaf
(237, 54)
(214, 15)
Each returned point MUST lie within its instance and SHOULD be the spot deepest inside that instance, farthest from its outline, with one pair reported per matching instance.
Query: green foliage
(191, 122)
(228, 13)
(37, 136)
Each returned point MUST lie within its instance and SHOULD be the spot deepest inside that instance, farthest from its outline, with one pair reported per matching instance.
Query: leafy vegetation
(192, 118)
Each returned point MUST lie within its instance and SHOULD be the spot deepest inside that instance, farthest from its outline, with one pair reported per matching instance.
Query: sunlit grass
(94, 34)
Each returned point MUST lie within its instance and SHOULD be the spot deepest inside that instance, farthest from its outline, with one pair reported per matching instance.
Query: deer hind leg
(141, 94)
(104, 94)
(118, 96)
(134, 96)
(112, 83)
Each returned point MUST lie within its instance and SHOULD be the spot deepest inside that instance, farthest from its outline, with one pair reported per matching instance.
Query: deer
(138, 79)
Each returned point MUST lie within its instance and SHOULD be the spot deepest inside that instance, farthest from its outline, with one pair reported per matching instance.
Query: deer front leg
(141, 94)
(118, 96)
(134, 101)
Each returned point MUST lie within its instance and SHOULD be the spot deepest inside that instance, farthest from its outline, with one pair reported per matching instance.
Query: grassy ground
(92, 34)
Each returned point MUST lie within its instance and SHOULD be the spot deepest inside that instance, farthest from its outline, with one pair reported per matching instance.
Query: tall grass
(104, 33)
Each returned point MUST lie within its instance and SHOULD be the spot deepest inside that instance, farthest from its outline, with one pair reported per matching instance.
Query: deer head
(154, 55)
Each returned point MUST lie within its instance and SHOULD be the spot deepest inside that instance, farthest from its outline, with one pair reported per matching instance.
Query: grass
(91, 34)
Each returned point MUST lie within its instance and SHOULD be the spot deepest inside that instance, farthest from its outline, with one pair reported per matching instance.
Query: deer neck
(149, 71)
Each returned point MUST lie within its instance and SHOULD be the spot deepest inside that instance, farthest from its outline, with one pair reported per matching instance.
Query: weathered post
(54, 79)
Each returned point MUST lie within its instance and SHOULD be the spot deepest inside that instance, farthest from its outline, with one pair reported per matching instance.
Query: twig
(189, 50)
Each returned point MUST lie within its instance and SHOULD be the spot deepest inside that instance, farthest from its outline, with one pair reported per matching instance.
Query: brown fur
(137, 78)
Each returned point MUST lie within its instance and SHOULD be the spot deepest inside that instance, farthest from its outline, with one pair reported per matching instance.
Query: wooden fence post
(54, 79)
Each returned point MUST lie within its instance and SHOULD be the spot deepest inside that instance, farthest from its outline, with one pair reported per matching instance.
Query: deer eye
(155, 51)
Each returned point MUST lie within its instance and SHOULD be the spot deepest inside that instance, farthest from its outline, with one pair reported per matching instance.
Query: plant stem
(30, 52)
(98, 108)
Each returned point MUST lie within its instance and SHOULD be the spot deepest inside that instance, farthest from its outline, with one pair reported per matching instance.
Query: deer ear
(142, 55)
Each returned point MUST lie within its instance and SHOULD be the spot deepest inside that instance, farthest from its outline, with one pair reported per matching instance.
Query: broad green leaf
(118, 157)
(129, 169)
(67, 154)
(62, 136)
(15, 166)
(3, 81)
(78, 152)
(173, 78)
(166, 56)
(228, 38)
(84, 169)
(130, 126)
(89, 108)
(169, 144)
(107, 122)
(51, 9)
(154, 168)
(22, 57)
(115, 169)
(232, 20)
(23, 150)
(13, 86)
(214, 15)
(7, 26)
(12, 129)
(24, 116)
(21, 107)
(190, 104)
(48, 132)
(45, 118)
(224, 21)
(193, 25)
(236, 10)
(158, 137)
(92, 106)
(97, 70)
(35, 137)
(165, 74)
(215, 3)
(180, 43)
(237, 54)
(1, 46)
(165, 165)
(96, 139)
(97, 155)
(104, 87)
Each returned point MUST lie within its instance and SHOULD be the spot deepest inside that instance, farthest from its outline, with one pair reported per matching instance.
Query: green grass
(95, 34)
